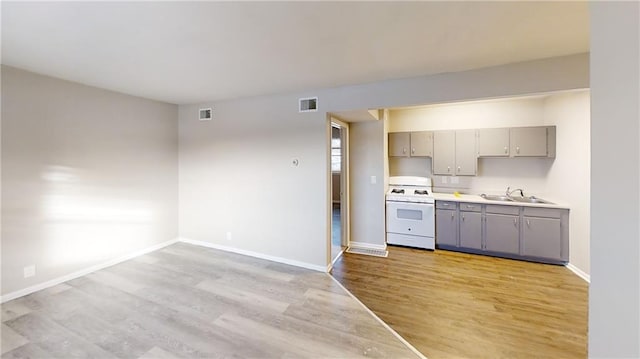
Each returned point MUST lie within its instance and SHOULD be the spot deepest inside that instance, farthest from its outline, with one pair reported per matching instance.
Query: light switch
(374, 180)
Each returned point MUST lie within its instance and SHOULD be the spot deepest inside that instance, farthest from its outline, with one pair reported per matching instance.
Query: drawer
(446, 205)
(544, 212)
(494, 208)
(470, 207)
(411, 241)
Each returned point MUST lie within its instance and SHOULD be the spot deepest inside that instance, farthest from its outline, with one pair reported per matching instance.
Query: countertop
(472, 198)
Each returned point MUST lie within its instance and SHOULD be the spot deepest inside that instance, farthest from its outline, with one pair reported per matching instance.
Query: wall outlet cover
(29, 271)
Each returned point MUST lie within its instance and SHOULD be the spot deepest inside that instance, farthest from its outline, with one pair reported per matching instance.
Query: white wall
(366, 159)
(568, 179)
(88, 175)
(614, 294)
(236, 175)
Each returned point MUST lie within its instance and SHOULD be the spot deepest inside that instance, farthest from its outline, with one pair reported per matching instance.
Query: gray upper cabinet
(454, 153)
(471, 229)
(493, 142)
(444, 152)
(502, 233)
(466, 156)
(532, 141)
(411, 144)
(399, 144)
(422, 144)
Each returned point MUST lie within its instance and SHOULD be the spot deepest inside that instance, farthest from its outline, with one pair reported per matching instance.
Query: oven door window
(411, 214)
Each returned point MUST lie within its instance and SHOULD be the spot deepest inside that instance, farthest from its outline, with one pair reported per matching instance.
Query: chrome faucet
(510, 192)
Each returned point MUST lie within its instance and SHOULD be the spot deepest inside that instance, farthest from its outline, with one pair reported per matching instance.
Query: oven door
(417, 219)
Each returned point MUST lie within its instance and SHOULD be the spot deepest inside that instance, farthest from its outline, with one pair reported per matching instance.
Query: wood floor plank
(450, 304)
(11, 339)
(186, 301)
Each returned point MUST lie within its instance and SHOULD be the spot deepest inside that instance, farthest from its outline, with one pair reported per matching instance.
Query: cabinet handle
(463, 217)
(470, 206)
(448, 169)
(515, 222)
(528, 224)
(446, 204)
(458, 168)
(505, 149)
(518, 149)
(452, 215)
(413, 150)
(404, 150)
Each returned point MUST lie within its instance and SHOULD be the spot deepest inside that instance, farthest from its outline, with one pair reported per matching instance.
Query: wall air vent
(205, 114)
(308, 104)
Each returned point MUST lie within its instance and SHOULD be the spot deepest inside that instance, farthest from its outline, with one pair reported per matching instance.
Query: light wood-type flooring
(456, 305)
(187, 301)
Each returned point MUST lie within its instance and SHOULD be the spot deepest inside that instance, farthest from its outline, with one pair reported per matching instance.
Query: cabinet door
(446, 226)
(471, 230)
(466, 154)
(422, 143)
(529, 141)
(399, 144)
(502, 233)
(444, 152)
(493, 142)
(542, 238)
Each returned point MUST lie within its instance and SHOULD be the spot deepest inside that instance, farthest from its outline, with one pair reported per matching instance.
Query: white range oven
(410, 212)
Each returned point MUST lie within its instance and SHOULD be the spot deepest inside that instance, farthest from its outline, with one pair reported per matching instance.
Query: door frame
(332, 121)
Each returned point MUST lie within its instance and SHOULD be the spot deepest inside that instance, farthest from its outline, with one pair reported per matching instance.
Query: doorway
(339, 188)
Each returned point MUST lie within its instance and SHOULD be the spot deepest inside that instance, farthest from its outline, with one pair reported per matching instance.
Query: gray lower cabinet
(446, 226)
(542, 237)
(502, 233)
(519, 232)
(471, 230)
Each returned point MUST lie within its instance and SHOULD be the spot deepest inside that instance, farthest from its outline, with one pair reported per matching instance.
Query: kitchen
(562, 180)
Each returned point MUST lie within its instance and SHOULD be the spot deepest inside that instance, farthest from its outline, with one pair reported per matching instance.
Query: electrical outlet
(29, 271)
(374, 179)
(228, 236)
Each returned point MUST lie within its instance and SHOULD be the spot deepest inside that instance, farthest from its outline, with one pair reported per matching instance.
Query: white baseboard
(363, 245)
(579, 272)
(82, 272)
(400, 338)
(256, 255)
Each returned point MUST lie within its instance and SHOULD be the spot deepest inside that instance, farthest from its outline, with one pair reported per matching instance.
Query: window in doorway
(336, 155)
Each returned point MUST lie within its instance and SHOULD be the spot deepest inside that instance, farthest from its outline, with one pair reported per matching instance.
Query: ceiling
(190, 52)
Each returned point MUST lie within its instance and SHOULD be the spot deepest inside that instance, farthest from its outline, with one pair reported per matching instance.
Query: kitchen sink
(531, 199)
(496, 198)
(502, 198)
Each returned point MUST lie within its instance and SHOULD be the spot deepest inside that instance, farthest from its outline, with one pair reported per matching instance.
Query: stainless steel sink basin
(496, 198)
(502, 198)
(531, 199)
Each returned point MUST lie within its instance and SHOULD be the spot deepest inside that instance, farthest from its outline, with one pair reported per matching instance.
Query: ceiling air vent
(308, 104)
(205, 114)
